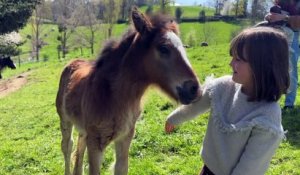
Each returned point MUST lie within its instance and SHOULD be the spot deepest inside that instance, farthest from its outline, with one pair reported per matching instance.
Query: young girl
(244, 128)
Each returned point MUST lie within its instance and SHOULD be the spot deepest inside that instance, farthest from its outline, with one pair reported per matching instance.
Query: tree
(14, 14)
(202, 16)
(218, 4)
(237, 7)
(227, 8)
(240, 7)
(39, 33)
(63, 11)
(86, 14)
(149, 10)
(178, 14)
(259, 10)
(125, 8)
(245, 5)
(112, 9)
(165, 6)
(9, 44)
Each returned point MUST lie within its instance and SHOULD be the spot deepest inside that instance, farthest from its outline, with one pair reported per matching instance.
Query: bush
(191, 39)
(149, 10)
(178, 14)
(202, 16)
(45, 57)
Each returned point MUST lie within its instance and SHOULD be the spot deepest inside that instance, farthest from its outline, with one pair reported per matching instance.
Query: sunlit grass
(30, 135)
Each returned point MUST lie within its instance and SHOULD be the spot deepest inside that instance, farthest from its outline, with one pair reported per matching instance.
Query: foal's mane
(114, 51)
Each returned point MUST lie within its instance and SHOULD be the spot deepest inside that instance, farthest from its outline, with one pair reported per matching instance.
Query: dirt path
(13, 84)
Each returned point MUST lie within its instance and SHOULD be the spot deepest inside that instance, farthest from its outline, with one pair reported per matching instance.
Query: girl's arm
(274, 17)
(187, 112)
(293, 21)
(258, 153)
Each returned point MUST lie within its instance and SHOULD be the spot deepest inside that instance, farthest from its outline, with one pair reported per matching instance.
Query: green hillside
(29, 126)
(188, 11)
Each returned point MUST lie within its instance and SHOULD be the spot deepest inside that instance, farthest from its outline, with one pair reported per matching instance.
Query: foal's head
(7, 62)
(164, 59)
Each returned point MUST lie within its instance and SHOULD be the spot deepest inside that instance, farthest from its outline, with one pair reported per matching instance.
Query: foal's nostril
(188, 91)
(191, 87)
(194, 89)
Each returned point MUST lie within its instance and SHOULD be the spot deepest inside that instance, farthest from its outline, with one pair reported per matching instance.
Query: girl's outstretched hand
(169, 127)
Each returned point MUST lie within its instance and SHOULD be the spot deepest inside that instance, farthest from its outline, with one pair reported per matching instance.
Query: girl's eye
(163, 49)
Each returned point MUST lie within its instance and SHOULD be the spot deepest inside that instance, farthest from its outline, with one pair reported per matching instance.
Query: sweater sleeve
(188, 112)
(258, 152)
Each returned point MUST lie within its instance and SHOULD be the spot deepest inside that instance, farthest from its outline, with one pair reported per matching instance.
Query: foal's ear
(141, 23)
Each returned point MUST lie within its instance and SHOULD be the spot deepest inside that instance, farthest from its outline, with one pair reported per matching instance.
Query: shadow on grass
(291, 124)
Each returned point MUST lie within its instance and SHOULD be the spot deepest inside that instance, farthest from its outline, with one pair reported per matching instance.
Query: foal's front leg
(122, 149)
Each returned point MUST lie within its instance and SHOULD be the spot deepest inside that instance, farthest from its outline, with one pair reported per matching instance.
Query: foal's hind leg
(66, 143)
(79, 154)
(122, 149)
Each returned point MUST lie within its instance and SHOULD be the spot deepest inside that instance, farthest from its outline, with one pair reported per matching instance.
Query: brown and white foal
(102, 99)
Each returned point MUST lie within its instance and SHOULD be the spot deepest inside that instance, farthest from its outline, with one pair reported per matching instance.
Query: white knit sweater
(241, 136)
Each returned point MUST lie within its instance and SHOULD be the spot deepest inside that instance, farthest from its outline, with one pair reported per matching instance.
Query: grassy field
(29, 126)
(187, 11)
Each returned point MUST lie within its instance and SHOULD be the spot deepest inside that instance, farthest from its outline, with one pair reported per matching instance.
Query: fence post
(19, 60)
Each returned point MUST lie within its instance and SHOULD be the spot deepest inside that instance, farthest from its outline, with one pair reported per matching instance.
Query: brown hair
(266, 50)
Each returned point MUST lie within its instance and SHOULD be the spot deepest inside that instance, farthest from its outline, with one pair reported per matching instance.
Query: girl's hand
(273, 17)
(169, 128)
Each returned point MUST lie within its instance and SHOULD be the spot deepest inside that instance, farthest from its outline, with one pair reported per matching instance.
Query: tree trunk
(254, 11)
(92, 42)
(109, 32)
(64, 43)
(245, 8)
(236, 8)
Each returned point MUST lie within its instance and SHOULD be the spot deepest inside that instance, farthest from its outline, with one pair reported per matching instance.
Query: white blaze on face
(175, 40)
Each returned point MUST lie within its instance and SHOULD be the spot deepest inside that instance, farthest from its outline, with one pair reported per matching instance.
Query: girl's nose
(231, 63)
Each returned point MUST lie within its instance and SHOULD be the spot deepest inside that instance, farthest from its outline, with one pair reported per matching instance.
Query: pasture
(188, 11)
(29, 125)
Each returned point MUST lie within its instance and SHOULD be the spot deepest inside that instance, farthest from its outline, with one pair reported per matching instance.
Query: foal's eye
(163, 49)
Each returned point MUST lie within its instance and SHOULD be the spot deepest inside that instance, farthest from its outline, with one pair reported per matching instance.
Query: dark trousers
(206, 171)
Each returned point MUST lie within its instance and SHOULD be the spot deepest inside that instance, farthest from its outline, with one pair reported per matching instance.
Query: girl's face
(242, 73)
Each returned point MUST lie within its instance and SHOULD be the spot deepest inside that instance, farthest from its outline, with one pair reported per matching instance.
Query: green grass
(217, 32)
(188, 11)
(193, 11)
(30, 135)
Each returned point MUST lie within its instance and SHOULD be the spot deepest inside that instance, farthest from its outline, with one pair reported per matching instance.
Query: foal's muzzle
(188, 92)
(13, 66)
